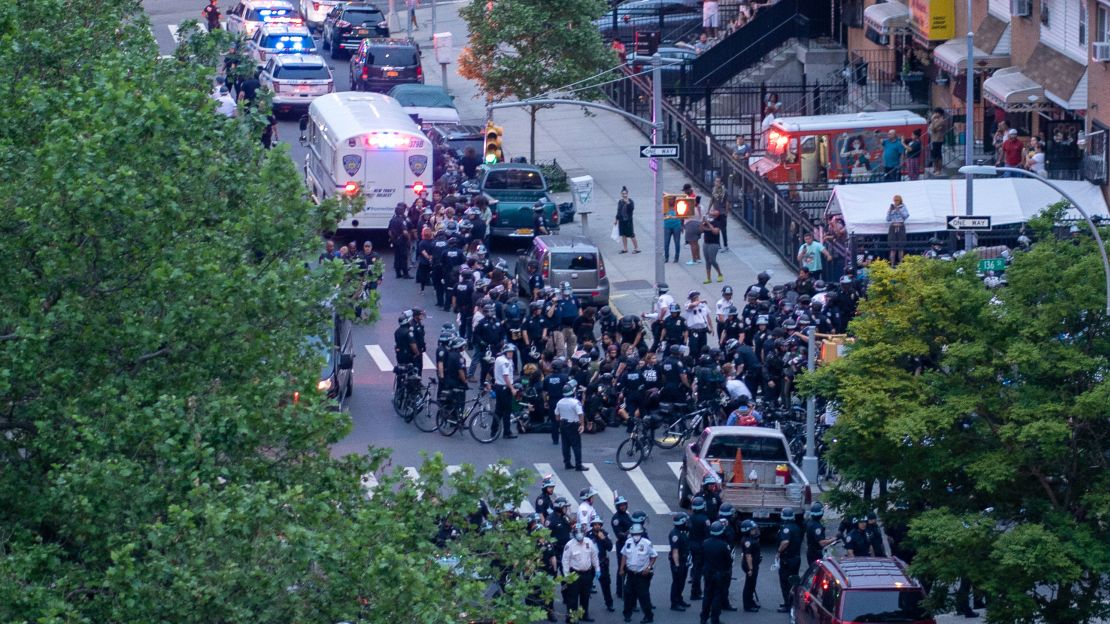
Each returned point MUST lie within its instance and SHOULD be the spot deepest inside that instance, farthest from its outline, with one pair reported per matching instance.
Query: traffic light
(493, 153)
(676, 206)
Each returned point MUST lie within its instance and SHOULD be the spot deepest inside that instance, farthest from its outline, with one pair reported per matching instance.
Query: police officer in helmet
(790, 555)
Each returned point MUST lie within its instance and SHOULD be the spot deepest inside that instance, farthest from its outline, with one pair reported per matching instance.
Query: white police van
(365, 141)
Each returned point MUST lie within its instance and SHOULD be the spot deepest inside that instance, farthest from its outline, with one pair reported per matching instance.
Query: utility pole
(969, 125)
(433, 30)
(809, 461)
(656, 139)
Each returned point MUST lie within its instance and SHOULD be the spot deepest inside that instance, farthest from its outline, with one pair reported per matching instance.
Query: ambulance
(359, 141)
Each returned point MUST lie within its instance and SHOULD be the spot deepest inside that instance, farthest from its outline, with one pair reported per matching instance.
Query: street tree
(986, 411)
(525, 48)
(164, 452)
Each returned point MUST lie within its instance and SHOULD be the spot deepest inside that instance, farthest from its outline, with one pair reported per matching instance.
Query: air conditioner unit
(1021, 8)
(1100, 51)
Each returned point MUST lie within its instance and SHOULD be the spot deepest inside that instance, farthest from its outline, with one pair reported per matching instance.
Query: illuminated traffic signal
(493, 153)
(678, 206)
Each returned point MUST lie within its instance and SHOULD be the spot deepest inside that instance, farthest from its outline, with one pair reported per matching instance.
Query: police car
(272, 39)
(249, 15)
(296, 79)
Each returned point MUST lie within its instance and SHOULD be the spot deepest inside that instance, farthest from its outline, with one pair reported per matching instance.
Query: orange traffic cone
(738, 468)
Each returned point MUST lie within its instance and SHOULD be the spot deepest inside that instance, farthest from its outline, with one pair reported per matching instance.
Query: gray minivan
(571, 259)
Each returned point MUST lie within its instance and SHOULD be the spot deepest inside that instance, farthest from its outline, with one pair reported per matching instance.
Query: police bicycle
(454, 412)
(685, 426)
(485, 426)
(407, 391)
(423, 408)
(637, 447)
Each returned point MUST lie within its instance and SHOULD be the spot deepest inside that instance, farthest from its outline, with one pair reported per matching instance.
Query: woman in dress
(625, 208)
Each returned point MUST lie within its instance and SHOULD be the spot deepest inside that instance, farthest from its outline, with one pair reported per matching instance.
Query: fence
(778, 22)
(734, 110)
(626, 22)
(761, 207)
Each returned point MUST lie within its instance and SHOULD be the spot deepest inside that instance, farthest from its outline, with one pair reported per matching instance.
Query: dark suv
(381, 64)
(875, 590)
(348, 24)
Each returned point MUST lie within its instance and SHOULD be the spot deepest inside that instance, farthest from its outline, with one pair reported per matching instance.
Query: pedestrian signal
(677, 206)
(493, 152)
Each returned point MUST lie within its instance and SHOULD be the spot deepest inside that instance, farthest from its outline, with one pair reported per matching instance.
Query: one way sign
(969, 223)
(659, 151)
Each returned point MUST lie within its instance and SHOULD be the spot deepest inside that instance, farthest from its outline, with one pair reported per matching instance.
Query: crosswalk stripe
(603, 492)
(173, 32)
(676, 468)
(524, 507)
(412, 474)
(428, 363)
(648, 491)
(380, 358)
(452, 469)
(560, 487)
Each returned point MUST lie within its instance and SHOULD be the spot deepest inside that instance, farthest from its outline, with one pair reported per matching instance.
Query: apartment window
(1102, 24)
(1082, 22)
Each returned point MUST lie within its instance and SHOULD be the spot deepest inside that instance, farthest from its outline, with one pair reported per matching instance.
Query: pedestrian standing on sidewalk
(896, 216)
(692, 229)
(712, 229)
(672, 229)
(211, 15)
(893, 153)
(625, 207)
(720, 202)
(572, 422)
(938, 127)
(411, 5)
(913, 155)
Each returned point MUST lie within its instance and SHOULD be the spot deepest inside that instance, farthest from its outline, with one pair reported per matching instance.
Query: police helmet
(817, 510)
(790, 324)
(680, 519)
(606, 377)
(727, 511)
(620, 500)
(820, 286)
(508, 348)
(489, 309)
(732, 311)
(561, 502)
(727, 290)
(705, 360)
(717, 528)
(481, 251)
(859, 520)
(710, 479)
(586, 493)
(845, 279)
(605, 312)
(787, 513)
(536, 306)
(872, 516)
(559, 363)
(458, 342)
(748, 526)
(674, 308)
(548, 482)
(583, 359)
(405, 318)
(763, 277)
(639, 518)
(570, 388)
(935, 241)
(627, 322)
(675, 350)
(662, 288)
(697, 504)
(803, 319)
(637, 529)
(596, 519)
(731, 345)
(761, 319)
(566, 287)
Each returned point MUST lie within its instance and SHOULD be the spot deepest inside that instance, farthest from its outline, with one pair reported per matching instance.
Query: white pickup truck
(764, 481)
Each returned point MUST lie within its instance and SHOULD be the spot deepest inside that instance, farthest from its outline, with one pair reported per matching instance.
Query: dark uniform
(403, 340)
(560, 533)
(718, 570)
(621, 523)
(790, 559)
(673, 388)
(875, 538)
(604, 545)
(399, 238)
(545, 505)
(552, 392)
(712, 501)
(749, 547)
(858, 542)
(680, 549)
(699, 531)
(815, 534)
(674, 330)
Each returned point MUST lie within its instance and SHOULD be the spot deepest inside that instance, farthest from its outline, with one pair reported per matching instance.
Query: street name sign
(992, 264)
(969, 223)
(659, 151)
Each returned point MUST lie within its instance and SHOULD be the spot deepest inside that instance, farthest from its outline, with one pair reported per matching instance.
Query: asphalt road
(652, 488)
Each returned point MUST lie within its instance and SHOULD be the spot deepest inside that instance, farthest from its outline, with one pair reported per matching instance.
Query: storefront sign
(934, 20)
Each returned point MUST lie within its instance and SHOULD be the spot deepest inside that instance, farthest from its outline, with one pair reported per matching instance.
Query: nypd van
(365, 142)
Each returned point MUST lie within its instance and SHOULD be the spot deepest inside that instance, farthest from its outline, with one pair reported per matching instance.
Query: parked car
(296, 80)
(874, 590)
(513, 190)
(674, 20)
(755, 487)
(380, 64)
(456, 138)
(571, 259)
(349, 23)
(430, 103)
(248, 15)
(338, 353)
(316, 11)
(271, 39)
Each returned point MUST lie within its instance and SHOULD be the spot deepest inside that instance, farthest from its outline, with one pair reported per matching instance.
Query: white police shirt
(638, 555)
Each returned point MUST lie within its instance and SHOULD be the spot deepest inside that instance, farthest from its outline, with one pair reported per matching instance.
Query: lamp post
(969, 125)
(970, 170)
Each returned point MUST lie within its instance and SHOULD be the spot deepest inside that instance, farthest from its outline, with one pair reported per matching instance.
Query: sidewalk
(605, 146)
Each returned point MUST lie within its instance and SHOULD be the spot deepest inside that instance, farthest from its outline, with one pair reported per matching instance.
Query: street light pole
(809, 461)
(969, 124)
(656, 138)
(985, 170)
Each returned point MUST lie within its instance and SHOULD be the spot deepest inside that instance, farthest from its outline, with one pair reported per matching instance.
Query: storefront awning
(1014, 92)
(1064, 79)
(888, 18)
(951, 56)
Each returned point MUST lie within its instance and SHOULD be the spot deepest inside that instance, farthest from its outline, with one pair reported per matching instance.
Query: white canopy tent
(930, 202)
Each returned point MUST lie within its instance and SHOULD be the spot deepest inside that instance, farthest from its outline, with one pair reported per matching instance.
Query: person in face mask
(637, 562)
(580, 558)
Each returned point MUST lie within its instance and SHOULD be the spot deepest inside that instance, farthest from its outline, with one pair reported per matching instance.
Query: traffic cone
(738, 468)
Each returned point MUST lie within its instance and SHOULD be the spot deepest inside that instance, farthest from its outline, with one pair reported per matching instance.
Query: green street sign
(992, 264)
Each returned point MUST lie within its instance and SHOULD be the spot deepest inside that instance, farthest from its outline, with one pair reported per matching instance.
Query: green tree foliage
(987, 412)
(525, 48)
(154, 313)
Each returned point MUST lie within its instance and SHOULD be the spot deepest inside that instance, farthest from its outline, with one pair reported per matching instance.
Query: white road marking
(380, 358)
(603, 492)
(560, 487)
(452, 469)
(428, 363)
(676, 468)
(412, 474)
(369, 482)
(648, 491)
(524, 507)
(173, 32)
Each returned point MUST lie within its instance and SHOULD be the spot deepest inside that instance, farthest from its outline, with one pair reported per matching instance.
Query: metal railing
(778, 22)
(765, 210)
(625, 22)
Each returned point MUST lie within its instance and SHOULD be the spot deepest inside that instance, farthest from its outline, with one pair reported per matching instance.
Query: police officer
(439, 269)
(604, 545)
(680, 560)
(535, 328)
(674, 330)
(875, 535)
(816, 540)
(559, 525)
(539, 228)
(545, 505)
(637, 564)
(399, 238)
(419, 334)
(727, 516)
(699, 532)
(462, 301)
(856, 541)
(750, 557)
(488, 335)
(711, 494)
(718, 570)
(790, 555)
(676, 384)
(621, 523)
(552, 388)
(535, 280)
(404, 342)
(454, 367)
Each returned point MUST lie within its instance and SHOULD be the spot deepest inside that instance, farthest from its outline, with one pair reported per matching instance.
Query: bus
(365, 142)
(831, 148)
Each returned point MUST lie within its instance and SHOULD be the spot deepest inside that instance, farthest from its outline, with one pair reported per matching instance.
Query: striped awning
(887, 18)
(1014, 92)
(951, 56)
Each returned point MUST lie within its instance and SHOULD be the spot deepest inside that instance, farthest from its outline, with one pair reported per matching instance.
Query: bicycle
(637, 447)
(682, 428)
(407, 385)
(485, 426)
(450, 415)
(421, 413)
